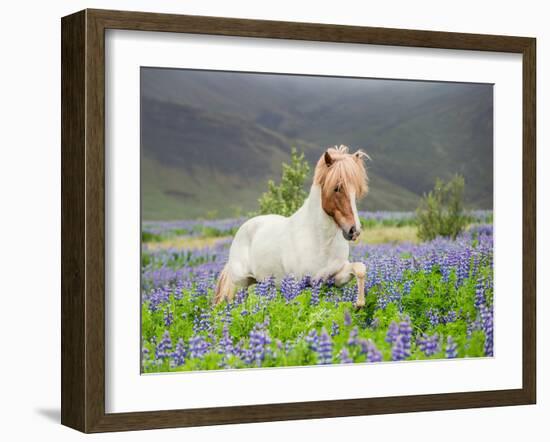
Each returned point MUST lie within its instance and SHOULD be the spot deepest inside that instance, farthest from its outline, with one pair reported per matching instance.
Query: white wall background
(30, 215)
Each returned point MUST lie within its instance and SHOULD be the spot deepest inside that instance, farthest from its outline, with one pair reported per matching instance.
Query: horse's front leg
(347, 272)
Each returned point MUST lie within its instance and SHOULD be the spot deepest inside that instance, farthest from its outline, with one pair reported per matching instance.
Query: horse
(313, 242)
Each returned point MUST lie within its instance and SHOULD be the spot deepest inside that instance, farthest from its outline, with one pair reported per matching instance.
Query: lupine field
(429, 300)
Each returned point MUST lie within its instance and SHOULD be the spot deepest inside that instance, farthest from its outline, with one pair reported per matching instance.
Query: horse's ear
(359, 155)
(328, 159)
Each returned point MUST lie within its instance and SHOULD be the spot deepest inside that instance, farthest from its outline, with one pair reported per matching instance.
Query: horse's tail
(225, 287)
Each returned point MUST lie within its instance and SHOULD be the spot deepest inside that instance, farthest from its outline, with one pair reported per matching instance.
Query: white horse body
(311, 242)
(307, 243)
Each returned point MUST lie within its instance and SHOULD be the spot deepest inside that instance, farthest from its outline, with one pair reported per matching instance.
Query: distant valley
(211, 140)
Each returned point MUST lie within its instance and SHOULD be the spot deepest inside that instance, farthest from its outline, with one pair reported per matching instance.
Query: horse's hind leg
(347, 272)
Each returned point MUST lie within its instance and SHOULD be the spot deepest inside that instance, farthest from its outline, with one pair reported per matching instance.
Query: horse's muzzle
(352, 234)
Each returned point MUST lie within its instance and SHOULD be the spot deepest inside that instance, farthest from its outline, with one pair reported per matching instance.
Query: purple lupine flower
(449, 317)
(335, 329)
(393, 294)
(324, 353)
(247, 355)
(429, 344)
(168, 317)
(399, 335)
(373, 354)
(225, 344)
(238, 349)
(198, 347)
(405, 330)
(288, 346)
(266, 289)
(347, 318)
(312, 340)
(472, 326)
(315, 291)
(480, 293)
(257, 307)
(262, 288)
(202, 322)
(445, 268)
(226, 315)
(240, 296)
(162, 350)
(157, 297)
(178, 355)
(382, 301)
(144, 354)
(345, 357)
(433, 317)
(349, 294)
(487, 327)
(178, 290)
(451, 350)
(289, 288)
(463, 267)
(363, 346)
(398, 352)
(272, 292)
(304, 283)
(393, 332)
(353, 336)
(201, 287)
(259, 339)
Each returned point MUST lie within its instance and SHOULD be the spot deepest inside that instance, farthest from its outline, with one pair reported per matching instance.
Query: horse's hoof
(359, 306)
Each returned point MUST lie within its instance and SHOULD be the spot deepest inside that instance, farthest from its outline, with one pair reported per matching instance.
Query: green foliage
(441, 211)
(212, 214)
(287, 197)
(390, 222)
(290, 322)
(213, 232)
(150, 237)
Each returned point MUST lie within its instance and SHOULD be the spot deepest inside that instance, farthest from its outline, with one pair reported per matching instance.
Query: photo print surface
(296, 220)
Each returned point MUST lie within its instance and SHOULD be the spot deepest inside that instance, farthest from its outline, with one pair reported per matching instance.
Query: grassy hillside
(211, 140)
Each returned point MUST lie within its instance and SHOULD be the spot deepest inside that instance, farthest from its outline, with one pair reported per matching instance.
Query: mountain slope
(211, 140)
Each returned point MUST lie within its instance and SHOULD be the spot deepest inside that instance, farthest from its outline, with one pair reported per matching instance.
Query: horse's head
(343, 179)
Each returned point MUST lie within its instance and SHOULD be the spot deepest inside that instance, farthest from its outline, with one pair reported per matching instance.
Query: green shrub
(287, 197)
(150, 237)
(441, 211)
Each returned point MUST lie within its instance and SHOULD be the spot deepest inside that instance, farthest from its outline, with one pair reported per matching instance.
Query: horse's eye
(337, 189)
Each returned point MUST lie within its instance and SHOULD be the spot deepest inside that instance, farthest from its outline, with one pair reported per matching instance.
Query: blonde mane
(347, 170)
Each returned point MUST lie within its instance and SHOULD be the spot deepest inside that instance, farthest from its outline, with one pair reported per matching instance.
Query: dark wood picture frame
(83, 220)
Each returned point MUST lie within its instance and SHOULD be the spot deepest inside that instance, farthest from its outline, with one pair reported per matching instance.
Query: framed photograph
(268, 220)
